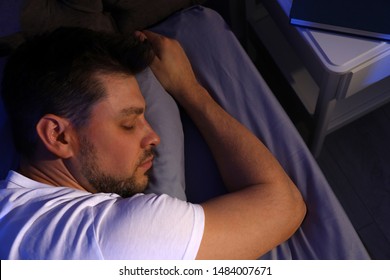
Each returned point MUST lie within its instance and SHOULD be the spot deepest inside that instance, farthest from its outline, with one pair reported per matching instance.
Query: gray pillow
(162, 112)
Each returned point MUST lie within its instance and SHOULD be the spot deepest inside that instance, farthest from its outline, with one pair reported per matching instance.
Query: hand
(171, 65)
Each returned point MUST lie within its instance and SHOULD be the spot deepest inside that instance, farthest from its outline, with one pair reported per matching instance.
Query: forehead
(123, 96)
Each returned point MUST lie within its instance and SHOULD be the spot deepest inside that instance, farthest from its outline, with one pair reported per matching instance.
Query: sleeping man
(86, 149)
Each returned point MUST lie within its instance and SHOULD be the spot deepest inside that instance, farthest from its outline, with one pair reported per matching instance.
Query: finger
(151, 34)
(140, 35)
(156, 40)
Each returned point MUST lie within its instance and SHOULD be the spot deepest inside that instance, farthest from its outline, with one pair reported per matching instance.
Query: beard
(106, 183)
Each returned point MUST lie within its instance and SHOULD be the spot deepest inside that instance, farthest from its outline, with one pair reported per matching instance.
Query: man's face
(116, 146)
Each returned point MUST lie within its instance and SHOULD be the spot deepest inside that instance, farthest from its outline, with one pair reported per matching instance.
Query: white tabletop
(339, 53)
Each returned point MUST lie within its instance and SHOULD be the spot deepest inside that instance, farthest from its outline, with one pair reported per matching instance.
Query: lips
(148, 163)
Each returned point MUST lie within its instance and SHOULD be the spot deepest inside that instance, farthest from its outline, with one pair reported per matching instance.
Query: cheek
(119, 155)
(116, 153)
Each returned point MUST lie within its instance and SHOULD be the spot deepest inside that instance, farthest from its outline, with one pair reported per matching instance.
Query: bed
(184, 160)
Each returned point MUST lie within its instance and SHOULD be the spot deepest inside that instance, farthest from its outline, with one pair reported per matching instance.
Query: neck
(52, 172)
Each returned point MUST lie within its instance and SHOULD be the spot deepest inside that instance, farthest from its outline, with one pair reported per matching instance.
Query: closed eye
(128, 127)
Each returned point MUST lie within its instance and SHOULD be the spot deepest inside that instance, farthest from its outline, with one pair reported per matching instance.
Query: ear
(56, 134)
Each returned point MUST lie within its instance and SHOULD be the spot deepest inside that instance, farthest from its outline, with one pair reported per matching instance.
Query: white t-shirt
(38, 221)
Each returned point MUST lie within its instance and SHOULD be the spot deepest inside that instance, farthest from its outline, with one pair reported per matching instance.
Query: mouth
(147, 164)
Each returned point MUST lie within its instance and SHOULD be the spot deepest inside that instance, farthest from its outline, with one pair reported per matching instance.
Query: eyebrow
(132, 111)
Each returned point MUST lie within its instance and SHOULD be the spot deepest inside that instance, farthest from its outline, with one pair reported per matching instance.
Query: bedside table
(337, 77)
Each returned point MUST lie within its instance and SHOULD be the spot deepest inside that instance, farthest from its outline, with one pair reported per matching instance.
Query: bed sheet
(224, 68)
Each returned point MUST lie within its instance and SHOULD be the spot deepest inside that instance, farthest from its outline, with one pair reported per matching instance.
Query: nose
(151, 138)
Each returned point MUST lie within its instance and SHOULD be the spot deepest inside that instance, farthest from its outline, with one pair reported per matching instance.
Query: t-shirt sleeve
(148, 227)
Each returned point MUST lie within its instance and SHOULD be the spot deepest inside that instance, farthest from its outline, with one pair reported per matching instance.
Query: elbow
(291, 209)
(297, 210)
(301, 211)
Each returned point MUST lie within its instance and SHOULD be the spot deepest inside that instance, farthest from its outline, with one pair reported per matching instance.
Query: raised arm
(264, 207)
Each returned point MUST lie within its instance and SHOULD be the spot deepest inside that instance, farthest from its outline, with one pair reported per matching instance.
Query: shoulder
(148, 209)
(151, 226)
